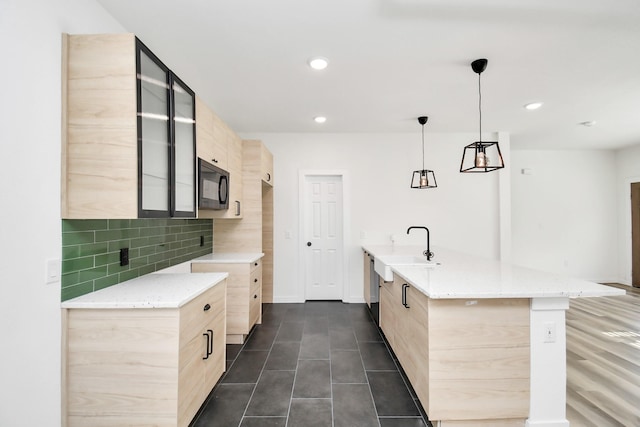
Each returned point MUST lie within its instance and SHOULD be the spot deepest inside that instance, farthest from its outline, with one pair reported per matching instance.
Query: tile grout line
(373, 402)
(293, 385)
(333, 419)
(396, 363)
(277, 324)
(221, 379)
(261, 371)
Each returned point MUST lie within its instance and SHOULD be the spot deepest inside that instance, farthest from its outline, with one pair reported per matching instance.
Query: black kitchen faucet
(427, 252)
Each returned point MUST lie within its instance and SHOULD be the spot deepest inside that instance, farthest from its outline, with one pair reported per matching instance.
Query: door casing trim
(346, 229)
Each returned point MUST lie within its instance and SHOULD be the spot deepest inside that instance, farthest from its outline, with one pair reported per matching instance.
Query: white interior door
(323, 234)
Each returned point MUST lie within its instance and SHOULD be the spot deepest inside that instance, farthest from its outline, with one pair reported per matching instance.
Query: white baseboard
(287, 300)
(296, 300)
(551, 423)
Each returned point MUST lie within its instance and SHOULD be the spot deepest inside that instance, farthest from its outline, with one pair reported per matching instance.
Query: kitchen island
(482, 342)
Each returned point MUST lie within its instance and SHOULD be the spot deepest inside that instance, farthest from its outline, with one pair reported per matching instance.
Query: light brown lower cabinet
(244, 295)
(467, 360)
(366, 286)
(142, 366)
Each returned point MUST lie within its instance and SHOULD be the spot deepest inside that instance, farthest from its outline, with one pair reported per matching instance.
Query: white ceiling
(394, 60)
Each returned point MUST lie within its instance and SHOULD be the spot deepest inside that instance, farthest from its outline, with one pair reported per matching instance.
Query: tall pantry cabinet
(254, 232)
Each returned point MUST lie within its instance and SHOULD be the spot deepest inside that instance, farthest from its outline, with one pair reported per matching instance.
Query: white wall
(30, 37)
(564, 214)
(462, 213)
(628, 171)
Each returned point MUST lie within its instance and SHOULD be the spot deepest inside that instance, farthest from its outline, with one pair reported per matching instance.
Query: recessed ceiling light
(318, 63)
(533, 105)
(320, 119)
(588, 123)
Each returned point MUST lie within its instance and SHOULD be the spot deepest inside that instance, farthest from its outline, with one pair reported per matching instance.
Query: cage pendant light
(481, 156)
(424, 178)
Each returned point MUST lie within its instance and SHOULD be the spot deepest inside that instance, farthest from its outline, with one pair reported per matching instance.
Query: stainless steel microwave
(213, 188)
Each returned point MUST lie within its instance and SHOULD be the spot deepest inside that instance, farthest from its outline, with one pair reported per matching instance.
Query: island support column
(548, 363)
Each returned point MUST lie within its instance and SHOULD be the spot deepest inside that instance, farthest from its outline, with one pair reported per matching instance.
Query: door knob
(308, 243)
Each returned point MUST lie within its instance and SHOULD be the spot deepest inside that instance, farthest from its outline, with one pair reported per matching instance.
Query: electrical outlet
(550, 332)
(124, 256)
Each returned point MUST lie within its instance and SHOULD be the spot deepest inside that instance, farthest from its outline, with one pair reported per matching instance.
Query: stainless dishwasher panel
(374, 292)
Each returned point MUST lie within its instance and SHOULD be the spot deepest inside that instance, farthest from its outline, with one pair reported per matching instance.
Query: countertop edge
(143, 301)
(229, 258)
(575, 288)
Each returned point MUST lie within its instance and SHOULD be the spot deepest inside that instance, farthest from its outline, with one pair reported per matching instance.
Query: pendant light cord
(422, 147)
(480, 107)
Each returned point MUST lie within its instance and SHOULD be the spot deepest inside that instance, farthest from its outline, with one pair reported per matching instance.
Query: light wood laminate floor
(603, 361)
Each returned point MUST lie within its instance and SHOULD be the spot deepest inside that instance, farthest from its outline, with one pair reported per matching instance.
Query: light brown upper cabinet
(128, 132)
(219, 145)
(266, 162)
(211, 143)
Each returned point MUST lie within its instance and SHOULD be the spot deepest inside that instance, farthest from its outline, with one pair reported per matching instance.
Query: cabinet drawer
(255, 279)
(200, 311)
(255, 296)
(254, 306)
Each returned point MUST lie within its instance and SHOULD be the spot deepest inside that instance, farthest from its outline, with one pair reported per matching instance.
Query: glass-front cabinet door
(166, 140)
(184, 149)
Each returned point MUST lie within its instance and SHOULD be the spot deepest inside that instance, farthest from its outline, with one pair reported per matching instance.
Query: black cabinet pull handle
(308, 243)
(237, 207)
(255, 280)
(268, 176)
(255, 263)
(208, 345)
(209, 349)
(214, 160)
(255, 296)
(207, 307)
(404, 295)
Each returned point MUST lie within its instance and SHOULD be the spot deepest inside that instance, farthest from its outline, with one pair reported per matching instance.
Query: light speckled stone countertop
(229, 258)
(465, 276)
(154, 290)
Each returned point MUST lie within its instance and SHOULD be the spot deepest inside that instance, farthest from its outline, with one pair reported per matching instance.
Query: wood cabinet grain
(116, 160)
(254, 233)
(366, 285)
(467, 360)
(219, 145)
(142, 366)
(244, 295)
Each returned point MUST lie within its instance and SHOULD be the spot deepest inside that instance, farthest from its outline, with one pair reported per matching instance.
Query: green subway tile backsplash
(91, 249)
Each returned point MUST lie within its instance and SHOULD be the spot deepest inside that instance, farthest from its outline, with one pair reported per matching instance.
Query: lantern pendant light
(481, 156)
(424, 178)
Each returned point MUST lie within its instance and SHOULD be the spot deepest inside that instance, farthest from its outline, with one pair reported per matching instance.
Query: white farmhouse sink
(382, 264)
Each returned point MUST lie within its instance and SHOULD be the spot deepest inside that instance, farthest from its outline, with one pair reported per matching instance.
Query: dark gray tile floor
(317, 364)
